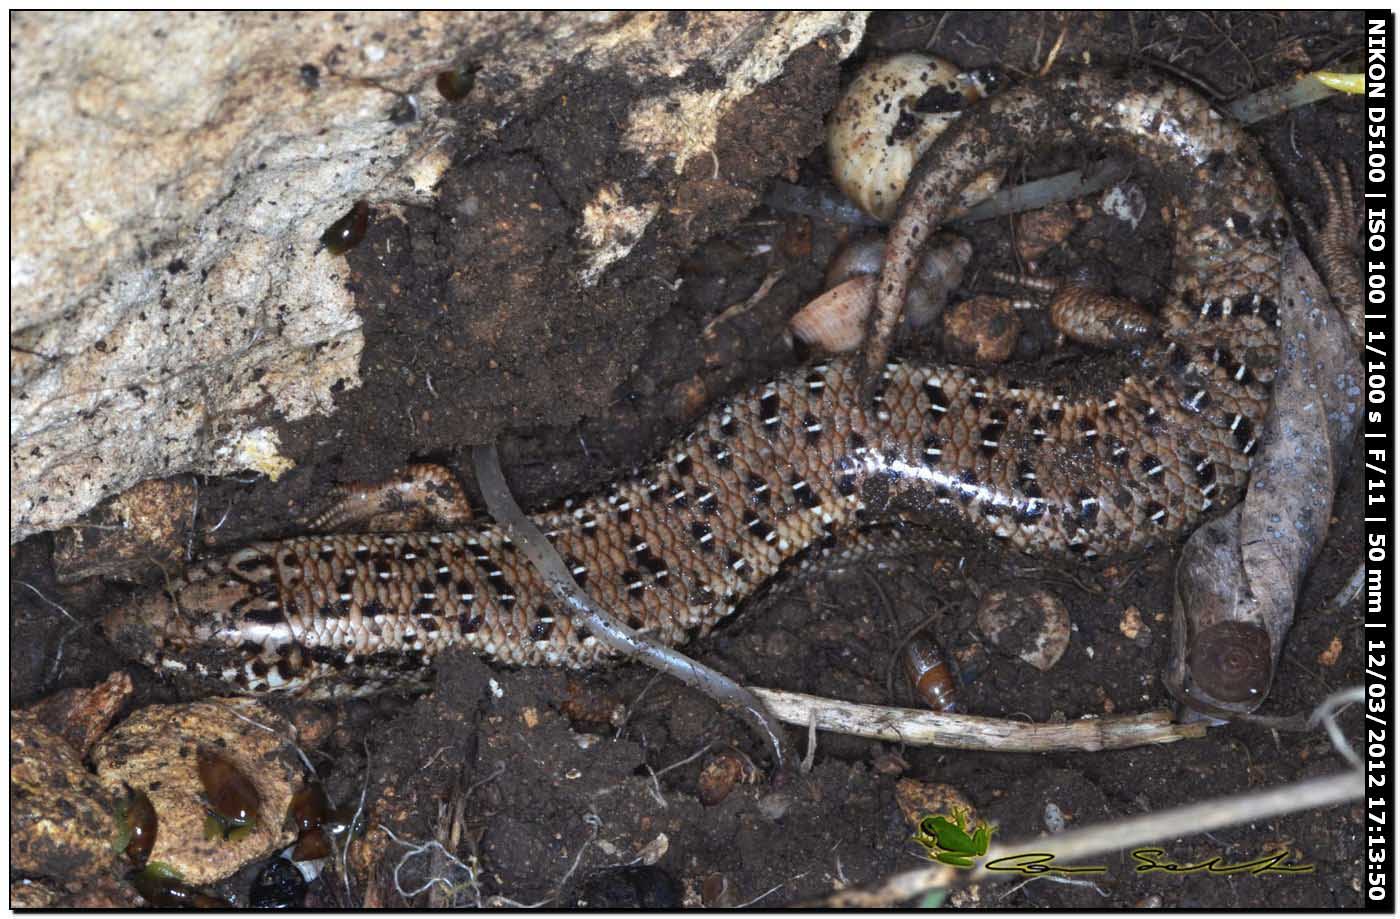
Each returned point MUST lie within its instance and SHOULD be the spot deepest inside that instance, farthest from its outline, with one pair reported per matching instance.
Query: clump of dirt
(477, 323)
(476, 330)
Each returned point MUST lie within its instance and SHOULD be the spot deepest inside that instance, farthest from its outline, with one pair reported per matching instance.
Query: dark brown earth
(580, 385)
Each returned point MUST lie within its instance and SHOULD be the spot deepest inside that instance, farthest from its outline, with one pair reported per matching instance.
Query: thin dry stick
(41, 596)
(1326, 714)
(632, 707)
(973, 732)
(689, 759)
(289, 739)
(594, 822)
(1077, 845)
(1350, 590)
(743, 306)
(1054, 52)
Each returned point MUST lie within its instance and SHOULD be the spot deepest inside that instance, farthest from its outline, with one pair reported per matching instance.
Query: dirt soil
(475, 336)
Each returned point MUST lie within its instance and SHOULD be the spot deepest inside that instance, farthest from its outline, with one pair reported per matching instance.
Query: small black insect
(346, 233)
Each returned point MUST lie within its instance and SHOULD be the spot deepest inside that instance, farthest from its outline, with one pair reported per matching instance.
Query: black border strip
(1378, 256)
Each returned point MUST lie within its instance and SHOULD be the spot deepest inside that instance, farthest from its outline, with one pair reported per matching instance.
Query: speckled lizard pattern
(1134, 447)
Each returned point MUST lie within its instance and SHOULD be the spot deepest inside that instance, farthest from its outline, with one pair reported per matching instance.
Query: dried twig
(933, 37)
(1326, 715)
(1054, 51)
(68, 615)
(1342, 598)
(689, 759)
(973, 732)
(743, 306)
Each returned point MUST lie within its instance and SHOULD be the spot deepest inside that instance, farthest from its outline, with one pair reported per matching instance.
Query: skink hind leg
(426, 497)
(1335, 244)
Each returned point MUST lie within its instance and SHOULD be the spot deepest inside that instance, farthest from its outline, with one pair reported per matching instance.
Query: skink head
(222, 622)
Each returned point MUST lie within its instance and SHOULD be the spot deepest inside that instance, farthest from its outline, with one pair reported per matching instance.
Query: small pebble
(1131, 623)
(774, 806)
(1328, 656)
(983, 330)
(1032, 625)
(1039, 231)
(1126, 202)
(722, 773)
(918, 800)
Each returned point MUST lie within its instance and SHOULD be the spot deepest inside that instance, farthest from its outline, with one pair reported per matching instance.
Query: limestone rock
(172, 174)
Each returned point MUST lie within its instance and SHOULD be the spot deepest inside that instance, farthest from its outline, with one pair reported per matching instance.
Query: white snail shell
(874, 137)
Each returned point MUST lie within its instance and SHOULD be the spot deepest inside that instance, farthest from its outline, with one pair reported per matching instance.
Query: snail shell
(456, 84)
(278, 885)
(1232, 661)
(928, 670)
(310, 810)
(346, 233)
(230, 794)
(140, 816)
(722, 773)
(885, 120)
(835, 321)
(862, 255)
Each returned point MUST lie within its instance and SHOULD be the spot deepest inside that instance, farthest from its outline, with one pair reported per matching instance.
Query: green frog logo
(952, 841)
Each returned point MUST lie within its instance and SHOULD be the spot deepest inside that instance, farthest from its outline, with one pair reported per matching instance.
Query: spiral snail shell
(138, 817)
(310, 810)
(456, 84)
(230, 796)
(834, 322)
(346, 233)
(928, 670)
(885, 120)
(1232, 661)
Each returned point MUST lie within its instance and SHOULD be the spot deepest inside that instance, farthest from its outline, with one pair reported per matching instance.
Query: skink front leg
(426, 497)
